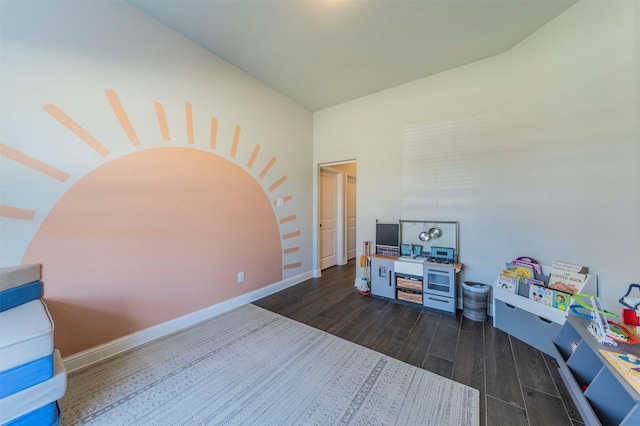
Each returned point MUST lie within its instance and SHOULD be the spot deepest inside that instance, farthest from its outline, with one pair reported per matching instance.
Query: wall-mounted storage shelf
(607, 398)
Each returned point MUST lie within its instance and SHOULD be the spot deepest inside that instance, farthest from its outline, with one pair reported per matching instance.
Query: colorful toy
(620, 333)
(599, 326)
(575, 310)
(592, 307)
(530, 262)
(630, 307)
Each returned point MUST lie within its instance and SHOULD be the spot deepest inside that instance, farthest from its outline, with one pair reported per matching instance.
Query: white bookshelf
(532, 322)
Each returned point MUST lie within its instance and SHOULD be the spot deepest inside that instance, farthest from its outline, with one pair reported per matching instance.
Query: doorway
(337, 213)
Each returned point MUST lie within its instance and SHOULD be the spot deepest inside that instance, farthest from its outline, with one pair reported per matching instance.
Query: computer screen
(388, 234)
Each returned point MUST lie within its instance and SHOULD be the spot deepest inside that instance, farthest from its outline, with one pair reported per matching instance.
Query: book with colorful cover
(510, 273)
(531, 281)
(561, 300)
(566, 280)
(508, 283)
(541, 294)
(521, 271)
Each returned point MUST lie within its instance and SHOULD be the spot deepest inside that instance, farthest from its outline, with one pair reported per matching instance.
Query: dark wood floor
(518, 384)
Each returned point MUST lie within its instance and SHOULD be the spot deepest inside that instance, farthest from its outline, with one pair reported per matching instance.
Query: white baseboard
(98, 353)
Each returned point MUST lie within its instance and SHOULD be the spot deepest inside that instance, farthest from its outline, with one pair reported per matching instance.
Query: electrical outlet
(240, 277)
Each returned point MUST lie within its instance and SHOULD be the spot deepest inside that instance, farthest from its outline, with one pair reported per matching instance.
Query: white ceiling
(325, 52)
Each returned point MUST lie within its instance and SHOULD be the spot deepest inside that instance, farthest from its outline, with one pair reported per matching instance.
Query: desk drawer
(530, 328)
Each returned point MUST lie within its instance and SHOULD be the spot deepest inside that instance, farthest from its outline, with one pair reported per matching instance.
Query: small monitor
(388, 234)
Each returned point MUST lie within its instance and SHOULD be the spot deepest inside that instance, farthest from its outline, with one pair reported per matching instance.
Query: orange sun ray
(70, 124)
(16, 213)
(214, 133)
(278, 183)
(287, 219)
(291, 250)
(121, 115)
(266, 169)
(236, 139)
(293, 265)
(189, 117)
(254, 154)
(291, 235)
(284, 200)
(162, 121)
(31, 162)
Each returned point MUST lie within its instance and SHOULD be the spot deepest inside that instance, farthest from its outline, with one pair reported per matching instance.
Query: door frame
(340, 206)
(349, 176)
(339, 203)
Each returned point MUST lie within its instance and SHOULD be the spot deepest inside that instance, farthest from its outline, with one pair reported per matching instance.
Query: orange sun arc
(151, 236)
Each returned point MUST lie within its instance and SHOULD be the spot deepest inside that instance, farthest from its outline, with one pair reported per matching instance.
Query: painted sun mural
(155, 233)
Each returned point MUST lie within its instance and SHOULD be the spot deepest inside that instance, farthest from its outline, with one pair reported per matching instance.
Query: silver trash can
(475, 301)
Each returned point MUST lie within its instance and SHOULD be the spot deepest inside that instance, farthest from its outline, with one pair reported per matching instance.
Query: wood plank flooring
(518, 384)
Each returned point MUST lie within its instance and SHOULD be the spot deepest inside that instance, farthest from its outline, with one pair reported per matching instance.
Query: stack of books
(513, 275)
(555, 290)
(558, 288)
(32, 375)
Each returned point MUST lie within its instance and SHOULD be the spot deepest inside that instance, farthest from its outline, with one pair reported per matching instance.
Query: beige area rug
(251, 366)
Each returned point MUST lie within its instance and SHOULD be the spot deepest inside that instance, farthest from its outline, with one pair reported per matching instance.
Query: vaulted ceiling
(321, 53)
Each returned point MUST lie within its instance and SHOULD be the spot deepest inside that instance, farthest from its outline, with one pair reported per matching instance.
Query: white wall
(536, 151)
(69, 53)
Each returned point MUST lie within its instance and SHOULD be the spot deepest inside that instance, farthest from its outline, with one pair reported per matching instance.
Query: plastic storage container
(475, 299)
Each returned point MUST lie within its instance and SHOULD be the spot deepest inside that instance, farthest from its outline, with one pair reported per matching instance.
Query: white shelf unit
(529, 321)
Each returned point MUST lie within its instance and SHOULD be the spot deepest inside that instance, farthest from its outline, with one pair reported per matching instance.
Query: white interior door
(328, 218)
(351, 217)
